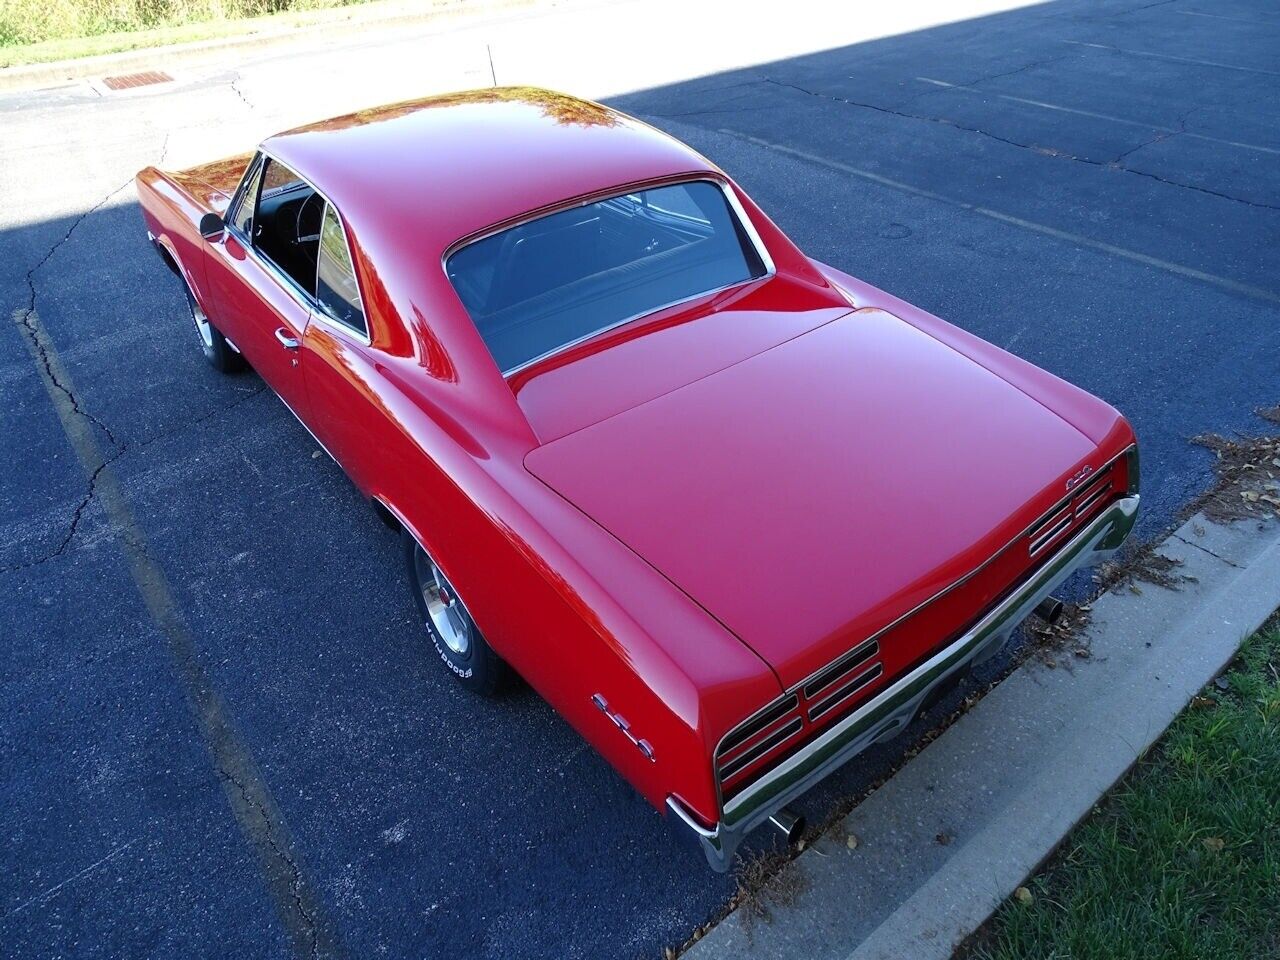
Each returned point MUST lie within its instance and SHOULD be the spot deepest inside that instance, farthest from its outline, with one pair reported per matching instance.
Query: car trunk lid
(814, 493)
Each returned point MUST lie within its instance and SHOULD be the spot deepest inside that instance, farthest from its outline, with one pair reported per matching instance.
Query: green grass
(37, 31)
(1182, 860)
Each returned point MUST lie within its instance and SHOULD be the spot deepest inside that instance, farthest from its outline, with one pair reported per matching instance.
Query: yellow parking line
(255, 810)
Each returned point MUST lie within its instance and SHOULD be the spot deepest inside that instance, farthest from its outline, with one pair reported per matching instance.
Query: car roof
(443, 168)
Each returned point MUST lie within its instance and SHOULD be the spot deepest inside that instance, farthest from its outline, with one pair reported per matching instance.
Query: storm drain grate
(127, 80)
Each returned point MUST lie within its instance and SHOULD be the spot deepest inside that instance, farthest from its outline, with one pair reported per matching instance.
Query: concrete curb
(341, 23)
(952, 834)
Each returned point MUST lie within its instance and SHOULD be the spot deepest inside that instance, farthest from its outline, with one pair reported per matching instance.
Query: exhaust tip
(790, 824)
(1049, 610)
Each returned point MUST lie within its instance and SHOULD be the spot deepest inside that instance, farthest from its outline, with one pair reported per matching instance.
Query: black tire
(214, 345)
(473, 662)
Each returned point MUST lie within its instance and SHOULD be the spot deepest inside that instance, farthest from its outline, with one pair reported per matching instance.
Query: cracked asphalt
(220, 730)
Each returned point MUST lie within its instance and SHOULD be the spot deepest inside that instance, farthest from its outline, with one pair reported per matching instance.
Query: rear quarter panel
(435, 434)
(1093, 417)
(571, 609)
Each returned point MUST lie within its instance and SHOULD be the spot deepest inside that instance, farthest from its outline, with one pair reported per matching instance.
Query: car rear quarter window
(278, 178)
(542, 285)
(242, 218)
(336, 287)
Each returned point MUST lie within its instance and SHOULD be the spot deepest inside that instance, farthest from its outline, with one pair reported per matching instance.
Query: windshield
(550, 282)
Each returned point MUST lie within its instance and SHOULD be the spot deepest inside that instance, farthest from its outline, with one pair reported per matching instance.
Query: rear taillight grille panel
(835, 699)
(758, 724)
(757, 750)
(1048, 530)
(1094, 492)
(784, 723)
(838, 688)
(839, 669)
(1083, 501)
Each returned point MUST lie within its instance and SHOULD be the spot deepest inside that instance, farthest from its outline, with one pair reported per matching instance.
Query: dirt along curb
(340, 22)
(952, 834)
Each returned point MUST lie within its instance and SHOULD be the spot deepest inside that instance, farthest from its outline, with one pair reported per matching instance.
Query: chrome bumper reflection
(897, 705)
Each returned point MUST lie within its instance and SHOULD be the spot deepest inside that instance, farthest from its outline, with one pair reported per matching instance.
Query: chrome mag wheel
(454, 635)
(203, 326)
(215, 347)
(448, 616)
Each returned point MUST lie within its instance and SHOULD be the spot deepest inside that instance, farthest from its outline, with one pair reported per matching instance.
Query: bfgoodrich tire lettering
(449, 625)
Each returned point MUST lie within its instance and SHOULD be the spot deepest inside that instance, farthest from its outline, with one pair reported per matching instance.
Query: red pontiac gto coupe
(735, 514)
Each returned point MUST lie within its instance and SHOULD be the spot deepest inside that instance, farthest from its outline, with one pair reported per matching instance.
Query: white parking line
(1099, 116)
(1168, 56)
(1223, 283)
(1218, 16)
(46, 894)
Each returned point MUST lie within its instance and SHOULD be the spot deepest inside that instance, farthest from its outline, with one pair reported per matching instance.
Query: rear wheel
(453, 632)
(216, 350)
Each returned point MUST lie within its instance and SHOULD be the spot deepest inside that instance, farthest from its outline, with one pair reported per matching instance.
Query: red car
(736, 515)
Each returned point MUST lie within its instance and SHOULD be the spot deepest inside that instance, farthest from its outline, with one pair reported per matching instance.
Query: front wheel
(220, 354)
(448, 623)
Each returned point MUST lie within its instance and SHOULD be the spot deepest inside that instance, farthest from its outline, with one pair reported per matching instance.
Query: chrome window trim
(512, 371)
(735, 207)
(237, 195)
(1129, 451)
(324, 312)
(313, 306)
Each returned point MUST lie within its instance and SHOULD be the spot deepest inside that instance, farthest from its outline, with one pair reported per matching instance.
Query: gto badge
(1079, 476)
(621, 722)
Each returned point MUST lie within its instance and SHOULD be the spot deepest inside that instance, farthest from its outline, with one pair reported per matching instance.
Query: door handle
(287, 339)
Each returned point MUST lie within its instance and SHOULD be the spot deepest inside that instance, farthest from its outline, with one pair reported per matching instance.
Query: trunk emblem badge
(1079, 476)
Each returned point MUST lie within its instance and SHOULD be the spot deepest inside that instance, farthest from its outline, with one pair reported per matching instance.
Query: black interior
(287, 230)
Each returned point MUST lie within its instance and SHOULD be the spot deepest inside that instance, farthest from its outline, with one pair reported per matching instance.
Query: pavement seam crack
(83, 505)
(1043, 151)
(1202, 547)
(1158, 138)
(74, 525)
(235, 88)
(25, 319)
(1145, 143)
(1147, 6)
(1010, 73)
(283, 856)
(207, 415)
(300, 909)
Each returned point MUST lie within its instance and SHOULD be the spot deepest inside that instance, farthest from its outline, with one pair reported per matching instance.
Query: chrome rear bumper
(897, 705)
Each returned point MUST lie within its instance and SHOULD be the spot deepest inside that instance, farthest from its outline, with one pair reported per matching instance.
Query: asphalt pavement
(221, 731)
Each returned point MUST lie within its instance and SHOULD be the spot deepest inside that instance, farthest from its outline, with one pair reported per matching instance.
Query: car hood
(813, 493)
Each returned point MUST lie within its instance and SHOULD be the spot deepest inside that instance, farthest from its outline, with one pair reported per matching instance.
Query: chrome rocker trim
(897, 705)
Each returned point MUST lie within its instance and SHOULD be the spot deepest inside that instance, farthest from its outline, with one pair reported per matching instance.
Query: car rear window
(537, 287)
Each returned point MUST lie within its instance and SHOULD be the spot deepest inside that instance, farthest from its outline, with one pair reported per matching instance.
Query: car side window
(242, 217)
(336, 287)
(286, 224)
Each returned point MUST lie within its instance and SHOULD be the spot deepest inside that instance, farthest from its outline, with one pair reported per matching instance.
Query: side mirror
(212, 226)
